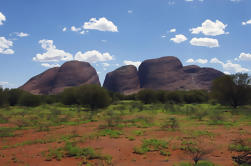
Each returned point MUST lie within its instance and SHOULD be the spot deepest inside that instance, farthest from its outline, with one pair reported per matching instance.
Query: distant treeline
(232, 90)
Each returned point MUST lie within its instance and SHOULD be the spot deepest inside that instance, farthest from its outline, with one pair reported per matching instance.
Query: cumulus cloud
(179, 38)
(204, 42)
(64, 29)
(130, 11)
(52, 54)
(201, 61)
(2, 18)
(49, 65)
(246, 22)
(74, 29)
(244, 57)
(210, 28)
(172, 30)
(93, 56)
(135, 63)
(5, 46)
(3, 82)
(229, 66)
(102, 24)
(22, 34)
(170, 2)
(106, 64)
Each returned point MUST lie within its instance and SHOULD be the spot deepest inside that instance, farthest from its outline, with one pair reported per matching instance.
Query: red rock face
(55, 80)
(124, 80)
(166, 73)
(160, 73)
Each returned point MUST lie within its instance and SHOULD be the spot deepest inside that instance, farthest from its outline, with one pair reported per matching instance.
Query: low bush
(149, 145)
(170, 123)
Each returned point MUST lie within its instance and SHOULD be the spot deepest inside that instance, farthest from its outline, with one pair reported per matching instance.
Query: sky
(37, 35)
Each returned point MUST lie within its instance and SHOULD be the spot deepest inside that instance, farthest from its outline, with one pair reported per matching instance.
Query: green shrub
(170, 123)
(29, 100)
(240, 145)
(149, 145)
(6, 132)
(216, 118)
(111, 133)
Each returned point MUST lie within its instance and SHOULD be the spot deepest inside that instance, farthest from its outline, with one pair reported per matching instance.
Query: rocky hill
(53, 81)
(165, 73)
(124, 80)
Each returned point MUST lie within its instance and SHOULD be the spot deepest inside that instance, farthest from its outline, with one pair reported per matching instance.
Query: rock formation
(124, 80)
(55, 80)
(165, 73)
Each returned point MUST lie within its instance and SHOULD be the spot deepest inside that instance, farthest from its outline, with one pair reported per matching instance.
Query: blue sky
(37, 35)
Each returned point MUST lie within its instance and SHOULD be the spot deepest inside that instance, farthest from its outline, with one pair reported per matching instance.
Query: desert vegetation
(88, 125)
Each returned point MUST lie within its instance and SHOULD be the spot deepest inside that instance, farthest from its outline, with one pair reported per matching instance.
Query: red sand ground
(121, 149)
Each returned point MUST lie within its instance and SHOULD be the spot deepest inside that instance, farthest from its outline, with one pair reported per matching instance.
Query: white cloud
(2, 18)
(235, 0)
(52, 54)
(163, 36)
(172, 30)
(246, 22)
(101, 24)
(82, 32)
(227, 73)
(170, 2)
(201, 61)
(204, 42)
(49, 65)
(190, 60)
(104, 41)
(179, 38)
(135, 63)
(244, 57)
(5, 45)
(64, 29)
(74, 29)
(105, 64)
(229, 66)
(210, 28)
(93, 56)
(22, 34)
(3, 82)
(130, 11)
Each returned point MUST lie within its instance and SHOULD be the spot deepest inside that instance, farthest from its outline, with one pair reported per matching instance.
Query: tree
(234, 90)
(147, 96)
(14, 95)
(29, 100)
(93, 96)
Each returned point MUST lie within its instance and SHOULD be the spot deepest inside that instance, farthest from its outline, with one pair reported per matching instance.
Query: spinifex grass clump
(241, 145)
(170, 124)
(113, 119)
(71, 150)
(111, 133)
(6, 132)
(149, 145)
